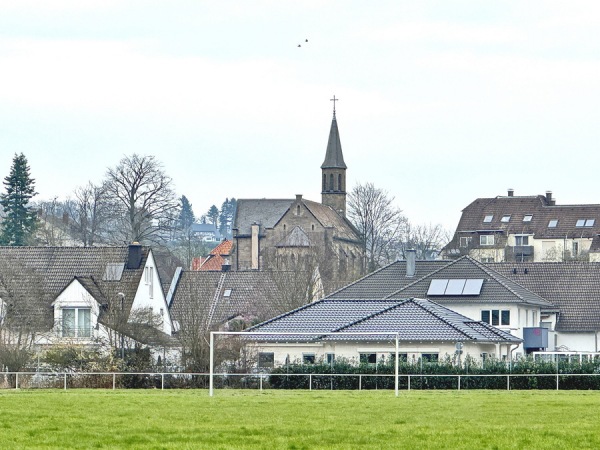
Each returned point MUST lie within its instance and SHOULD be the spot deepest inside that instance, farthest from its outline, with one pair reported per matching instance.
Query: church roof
(334, 159)
(265, 212)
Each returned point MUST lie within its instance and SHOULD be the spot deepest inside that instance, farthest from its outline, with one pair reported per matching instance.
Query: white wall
(75, 296)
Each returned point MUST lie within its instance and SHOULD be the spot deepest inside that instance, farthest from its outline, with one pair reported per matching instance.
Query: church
(300, 234)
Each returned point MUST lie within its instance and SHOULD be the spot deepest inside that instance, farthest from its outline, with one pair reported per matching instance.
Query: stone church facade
(292, 234)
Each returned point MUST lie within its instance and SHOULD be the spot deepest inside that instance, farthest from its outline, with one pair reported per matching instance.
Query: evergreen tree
(186, 214)
(20, 220)
(226, 217)
(213, 215)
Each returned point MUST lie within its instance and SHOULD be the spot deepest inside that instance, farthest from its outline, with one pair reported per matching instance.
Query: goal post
(257, 335)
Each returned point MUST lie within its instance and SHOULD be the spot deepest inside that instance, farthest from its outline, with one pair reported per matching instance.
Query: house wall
(581, 342)
(294, 352)
(73, 296)
(149, 295)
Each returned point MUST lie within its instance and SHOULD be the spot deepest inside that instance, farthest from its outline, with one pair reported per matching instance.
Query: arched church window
(340, 183)
(331, 182)
(324, 182)
(297, 210)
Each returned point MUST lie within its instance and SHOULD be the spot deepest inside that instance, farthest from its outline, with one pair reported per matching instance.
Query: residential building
(526, 229)
(216, 259)
(207, 232)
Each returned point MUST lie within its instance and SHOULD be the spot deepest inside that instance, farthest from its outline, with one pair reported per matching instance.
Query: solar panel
(473, 287)
(437, 287)
(455, 287)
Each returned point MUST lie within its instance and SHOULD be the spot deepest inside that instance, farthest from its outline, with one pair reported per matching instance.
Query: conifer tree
(20, 220)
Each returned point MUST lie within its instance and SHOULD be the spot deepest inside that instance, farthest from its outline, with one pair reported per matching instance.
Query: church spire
(333, 170)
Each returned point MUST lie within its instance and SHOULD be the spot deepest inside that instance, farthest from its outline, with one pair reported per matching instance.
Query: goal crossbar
(391, 334)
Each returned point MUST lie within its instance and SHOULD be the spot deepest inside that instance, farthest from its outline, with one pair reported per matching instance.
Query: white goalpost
(295, 335)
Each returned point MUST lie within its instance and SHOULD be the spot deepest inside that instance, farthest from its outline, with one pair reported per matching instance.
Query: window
(505, 218)
(527, 217)
(487, 259)
(368, 358)
(113, 272)
(266, 359)
(402, 357)
(486, 239)
(297, 210)
(429, 357)
(465, 241)
(521, 240)
(330, 358)
(496, 317)
(585, 223)
(340, 183)
(553, 223)
(149, 279)
(324, 182)
(331, 182)
(308, 358)
(575, 248)
(488, 219)
(76, 322)
(227, 293)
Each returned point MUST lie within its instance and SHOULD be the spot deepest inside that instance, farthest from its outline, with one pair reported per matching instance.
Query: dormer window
(488, 218)
(76, 322)
(527, 217)
(553, 223)
(505, 218)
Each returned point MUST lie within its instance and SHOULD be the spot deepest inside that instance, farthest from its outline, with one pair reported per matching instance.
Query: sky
(440, 102)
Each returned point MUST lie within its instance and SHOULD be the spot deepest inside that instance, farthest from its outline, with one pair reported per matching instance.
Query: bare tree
(88, 212)
(426, 239)
(52, 229)
(142, 198)
(378, 221)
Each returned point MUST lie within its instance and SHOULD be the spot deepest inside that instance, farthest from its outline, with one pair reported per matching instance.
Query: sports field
(299, 419)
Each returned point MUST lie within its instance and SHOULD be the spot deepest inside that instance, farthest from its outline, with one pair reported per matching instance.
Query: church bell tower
(333, 169)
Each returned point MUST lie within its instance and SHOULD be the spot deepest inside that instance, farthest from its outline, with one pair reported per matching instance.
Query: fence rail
(309, 381)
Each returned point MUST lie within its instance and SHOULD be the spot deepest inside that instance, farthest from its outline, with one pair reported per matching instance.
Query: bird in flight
(305, 40)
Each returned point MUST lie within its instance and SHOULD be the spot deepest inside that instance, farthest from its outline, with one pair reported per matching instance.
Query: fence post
(557, 382)
(360, 382)
(508, 382)
(114, 380)
(459, 382)
(310, 381)
(65, 381)
(260, 381)
(409, 382)
(17, 381)
(162, 381)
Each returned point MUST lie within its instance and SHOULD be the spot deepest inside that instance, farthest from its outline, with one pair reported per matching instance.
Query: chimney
(511, 192)
(254, 249)
(411, 263)
(298, 197)
(134, 257)
(549, 199)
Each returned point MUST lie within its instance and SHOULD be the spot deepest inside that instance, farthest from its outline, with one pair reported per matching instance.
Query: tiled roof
(216, 258)
(334, 158)
(386, 281)
(413, 320)
(51, 269)
(496, 288)
(574, 287)
(265, 212)
(329, 218)
(541, 210)
(222, 296)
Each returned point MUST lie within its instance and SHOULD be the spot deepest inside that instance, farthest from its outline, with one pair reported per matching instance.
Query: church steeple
(333, 169)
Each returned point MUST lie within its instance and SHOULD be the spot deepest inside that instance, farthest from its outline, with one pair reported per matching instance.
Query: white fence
(263, 381)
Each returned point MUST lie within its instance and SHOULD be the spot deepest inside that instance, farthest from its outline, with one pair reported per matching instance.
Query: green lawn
(299, 419)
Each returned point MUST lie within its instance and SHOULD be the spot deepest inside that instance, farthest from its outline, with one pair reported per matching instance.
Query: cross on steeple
(334, 100)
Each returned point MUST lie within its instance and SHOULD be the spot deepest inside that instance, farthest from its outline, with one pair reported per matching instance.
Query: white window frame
(76, 329)
(467, 241)
(488, 218)
(522, 237)
(527, 217)
(487, 238)
(149, 279)
(553, 223)
(505, 218)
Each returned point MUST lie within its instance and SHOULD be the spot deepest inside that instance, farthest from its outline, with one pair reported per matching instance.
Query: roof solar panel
(455, 287)
(437, 287)
(473, 287)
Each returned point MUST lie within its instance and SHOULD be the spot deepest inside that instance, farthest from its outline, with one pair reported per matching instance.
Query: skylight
(585, 222)
(553, 223)
(527, 217)
(456, 287)
(113, 272)
(488, 219)
(227, 293)
(505, 218)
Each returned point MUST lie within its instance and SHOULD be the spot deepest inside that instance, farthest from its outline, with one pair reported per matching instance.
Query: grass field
(299, 419)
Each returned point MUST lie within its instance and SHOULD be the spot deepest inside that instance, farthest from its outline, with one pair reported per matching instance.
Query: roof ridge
(425, 276)
(362, 319)
(362, 278)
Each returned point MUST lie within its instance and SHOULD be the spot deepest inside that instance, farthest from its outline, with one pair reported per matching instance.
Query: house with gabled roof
(81, 295)
(216, 259)
(526, 229)
(465, 286)
(424, 329)
(287, 234)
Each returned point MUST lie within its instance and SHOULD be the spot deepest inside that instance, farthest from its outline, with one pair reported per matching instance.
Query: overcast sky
(441, 102)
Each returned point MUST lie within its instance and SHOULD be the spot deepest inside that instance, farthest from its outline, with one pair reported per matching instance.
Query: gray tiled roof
(496, 287)
(574, 287)
(413, 320)
(51, 269)
(334, 158)
(265, 212)
(253, 295)
(386, 281)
